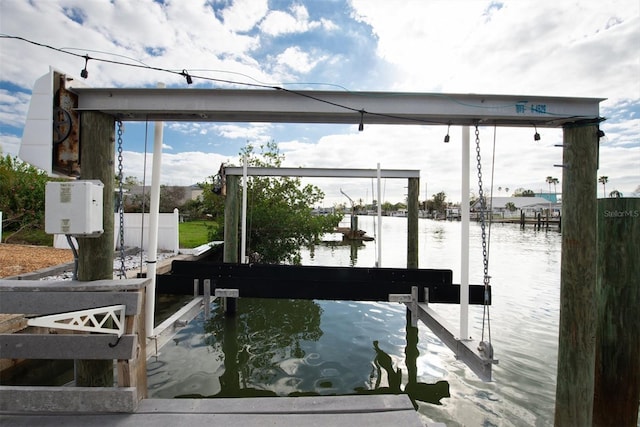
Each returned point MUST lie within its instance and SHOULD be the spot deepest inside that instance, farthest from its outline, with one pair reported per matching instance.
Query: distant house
(550, 197)
(529, 205)
(191, 192)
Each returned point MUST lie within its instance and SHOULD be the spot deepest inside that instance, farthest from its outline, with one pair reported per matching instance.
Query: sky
(589, 48)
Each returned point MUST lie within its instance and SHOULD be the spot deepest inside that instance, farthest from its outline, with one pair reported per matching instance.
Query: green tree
(279, 213)
(22, 189)
(521, 192)
(170, 198)
(438, 203)
(388, 207)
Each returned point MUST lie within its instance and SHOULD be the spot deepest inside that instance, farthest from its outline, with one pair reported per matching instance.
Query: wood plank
(65, 399)
(45, 302)
(73, 285)
(133, 372)
(338, 411)
(63, 346)
(380, 419)
(281, 405)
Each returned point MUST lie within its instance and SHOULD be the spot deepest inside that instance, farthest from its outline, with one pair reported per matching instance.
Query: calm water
(280, 348)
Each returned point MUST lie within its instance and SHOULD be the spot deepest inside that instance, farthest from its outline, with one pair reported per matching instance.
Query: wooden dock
(125, 404)
(334, 411)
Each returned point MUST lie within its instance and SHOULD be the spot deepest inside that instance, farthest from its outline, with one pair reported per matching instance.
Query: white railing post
(464, 241)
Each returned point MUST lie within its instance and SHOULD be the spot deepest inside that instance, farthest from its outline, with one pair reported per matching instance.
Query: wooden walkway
(333, 411)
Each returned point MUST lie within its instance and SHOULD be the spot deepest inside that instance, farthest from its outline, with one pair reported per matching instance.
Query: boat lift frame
(287, 106)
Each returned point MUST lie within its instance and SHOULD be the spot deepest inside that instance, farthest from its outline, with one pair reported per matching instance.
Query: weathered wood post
(617, 370)
(231, 221)
(412, 222)
(95, 254)
(576, 346)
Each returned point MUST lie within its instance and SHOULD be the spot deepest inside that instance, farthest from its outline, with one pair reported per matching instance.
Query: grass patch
(195, 233)
(28, 236)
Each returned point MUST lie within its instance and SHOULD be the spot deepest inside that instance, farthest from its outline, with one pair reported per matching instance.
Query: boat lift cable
(486, 319)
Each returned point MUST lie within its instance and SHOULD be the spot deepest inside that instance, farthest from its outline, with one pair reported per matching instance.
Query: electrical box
(74, 208)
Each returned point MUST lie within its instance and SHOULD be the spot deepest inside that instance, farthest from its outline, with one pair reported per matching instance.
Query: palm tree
(555, 192)
(603, 180)
(549, 181)
(615, 194)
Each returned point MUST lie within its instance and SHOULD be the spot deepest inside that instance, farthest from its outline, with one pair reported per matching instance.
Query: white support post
(243, 237)
(464, 243)
(154, 212)
(379, 263)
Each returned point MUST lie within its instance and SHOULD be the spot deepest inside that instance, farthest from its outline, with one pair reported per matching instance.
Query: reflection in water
(271, 348)
(424, 392)
(354, 246)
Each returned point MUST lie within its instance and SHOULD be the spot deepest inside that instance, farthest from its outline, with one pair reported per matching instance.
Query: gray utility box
(74, 208)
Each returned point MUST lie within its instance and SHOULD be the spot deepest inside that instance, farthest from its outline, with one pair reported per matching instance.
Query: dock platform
(316, 411)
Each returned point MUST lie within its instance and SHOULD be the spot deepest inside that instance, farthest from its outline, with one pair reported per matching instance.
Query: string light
(361, 126)
(84, 73)
(187, 76)
(536, 136)
(446, 137)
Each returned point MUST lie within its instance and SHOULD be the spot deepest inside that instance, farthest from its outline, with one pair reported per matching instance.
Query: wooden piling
(231, 215)
(231, 234)
(95, 254)
(617, 370)
(412, 222)
(576, 343)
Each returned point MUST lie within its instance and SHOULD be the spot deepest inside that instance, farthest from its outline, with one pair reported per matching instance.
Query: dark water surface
(283, 348)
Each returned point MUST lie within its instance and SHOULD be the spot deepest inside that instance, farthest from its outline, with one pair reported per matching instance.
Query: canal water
(289, 348)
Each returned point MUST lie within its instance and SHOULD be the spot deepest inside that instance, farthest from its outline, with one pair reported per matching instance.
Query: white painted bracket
(227, 293)
(91, 320)
(411, 300)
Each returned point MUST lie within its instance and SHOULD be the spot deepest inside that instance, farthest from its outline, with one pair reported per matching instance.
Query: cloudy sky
(589, 48)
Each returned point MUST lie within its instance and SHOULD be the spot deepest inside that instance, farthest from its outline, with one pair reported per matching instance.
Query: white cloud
(295, 59)
(243, 15)
(13, 107)
(278, 22)
(526, 47)
(9, 144)
(185, 168)
(252, 132)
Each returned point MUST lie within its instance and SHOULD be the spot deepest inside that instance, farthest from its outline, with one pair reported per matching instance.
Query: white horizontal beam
(323, 172)
(465, 350)
(285, 106)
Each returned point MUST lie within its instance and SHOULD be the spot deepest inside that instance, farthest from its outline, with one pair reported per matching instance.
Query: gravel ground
(21, 259)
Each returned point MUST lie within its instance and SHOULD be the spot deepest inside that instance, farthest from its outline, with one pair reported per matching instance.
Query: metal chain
(122, 270)
(483, 226)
